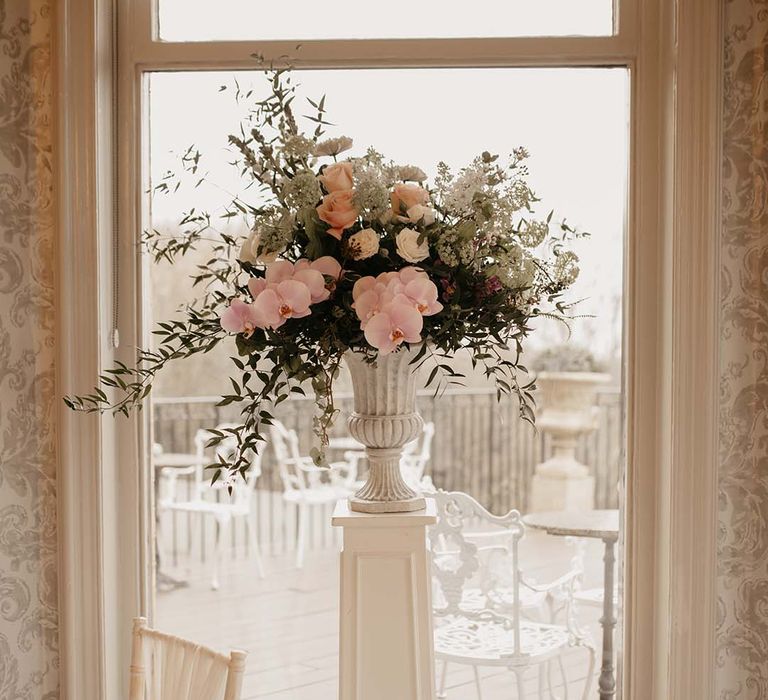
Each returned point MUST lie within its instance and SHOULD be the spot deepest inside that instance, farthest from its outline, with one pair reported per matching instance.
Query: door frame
(674, 53)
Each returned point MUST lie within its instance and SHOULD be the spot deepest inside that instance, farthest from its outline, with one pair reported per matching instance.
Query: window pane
(231, 20)
(574, 124)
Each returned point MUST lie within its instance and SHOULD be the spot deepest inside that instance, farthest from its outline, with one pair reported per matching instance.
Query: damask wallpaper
(742, 642)
(28, 587)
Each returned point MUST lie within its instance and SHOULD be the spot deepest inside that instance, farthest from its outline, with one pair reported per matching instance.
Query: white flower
(364, 244)
(332, 147)
(566, 268)
(418, 212)
(412, 173)
(409, 248)
(534, 233)
(251, 252)
(371, 195)
(302, 190)
(298, 146)
(460, 193)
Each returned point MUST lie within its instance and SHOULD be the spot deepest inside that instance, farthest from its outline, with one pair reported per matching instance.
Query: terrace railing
(480, 446)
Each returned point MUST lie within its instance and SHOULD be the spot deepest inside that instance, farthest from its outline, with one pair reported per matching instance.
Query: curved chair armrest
(307, 465)
(345, 473)
(565, 582)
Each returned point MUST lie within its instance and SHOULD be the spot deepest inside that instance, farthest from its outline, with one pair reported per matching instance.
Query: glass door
(266, 579)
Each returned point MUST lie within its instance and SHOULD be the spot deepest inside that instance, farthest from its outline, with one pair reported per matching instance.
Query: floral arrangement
(354, 253)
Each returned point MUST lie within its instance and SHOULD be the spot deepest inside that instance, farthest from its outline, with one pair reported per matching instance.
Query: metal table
(595, 524)
(167, 460)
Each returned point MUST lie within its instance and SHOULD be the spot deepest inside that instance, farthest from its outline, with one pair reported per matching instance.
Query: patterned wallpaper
(742, 650)
(28, 588)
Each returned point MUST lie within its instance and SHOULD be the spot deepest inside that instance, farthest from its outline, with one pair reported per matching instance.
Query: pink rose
(407, 195)
(337, 177)
(338, 211)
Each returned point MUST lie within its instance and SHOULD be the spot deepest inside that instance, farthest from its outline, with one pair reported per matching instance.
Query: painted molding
(96, 593)
(692, 436)
(81, 619)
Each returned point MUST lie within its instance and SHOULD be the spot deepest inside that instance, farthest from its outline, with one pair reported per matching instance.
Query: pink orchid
(423, 293)
(388, 278)
(370, 303)
(410, 273)
(325, 266)
(287, 299)
(279, 271)
(328, 266)
(364, 284)
(256, 285)
(370, 294)
(398, 322)
(315, 282)
(240, 317)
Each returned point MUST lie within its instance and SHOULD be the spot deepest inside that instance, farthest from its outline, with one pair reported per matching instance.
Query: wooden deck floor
(288, 623)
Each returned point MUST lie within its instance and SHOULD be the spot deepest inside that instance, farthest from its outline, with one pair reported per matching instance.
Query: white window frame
(673, 51)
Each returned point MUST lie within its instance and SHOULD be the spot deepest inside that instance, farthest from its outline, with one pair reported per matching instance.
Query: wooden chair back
(165, 667)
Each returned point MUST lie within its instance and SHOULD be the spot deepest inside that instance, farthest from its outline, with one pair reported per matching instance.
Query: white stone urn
(566, 412)
(384, 419)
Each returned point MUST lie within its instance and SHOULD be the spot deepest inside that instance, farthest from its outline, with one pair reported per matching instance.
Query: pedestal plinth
(566, 492)
(386, 646)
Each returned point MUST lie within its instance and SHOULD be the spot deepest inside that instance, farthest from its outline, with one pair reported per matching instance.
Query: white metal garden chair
(226, 508)
(307, 485)
(481, 597)
(414, 461)
(164, 667)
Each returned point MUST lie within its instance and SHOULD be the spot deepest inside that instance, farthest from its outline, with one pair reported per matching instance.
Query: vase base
(407, 505)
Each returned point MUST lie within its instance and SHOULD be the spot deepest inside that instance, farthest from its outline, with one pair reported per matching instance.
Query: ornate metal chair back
(413, 464)
(472, 546)
(285, 444)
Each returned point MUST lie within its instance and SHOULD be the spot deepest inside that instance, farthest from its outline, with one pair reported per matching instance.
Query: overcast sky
(196, 20)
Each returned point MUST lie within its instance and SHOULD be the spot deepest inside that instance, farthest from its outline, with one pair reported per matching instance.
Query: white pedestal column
(386, 646)
(562, 492)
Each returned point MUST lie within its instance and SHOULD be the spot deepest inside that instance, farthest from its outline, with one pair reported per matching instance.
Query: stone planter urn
(384, 419)
(566, 412)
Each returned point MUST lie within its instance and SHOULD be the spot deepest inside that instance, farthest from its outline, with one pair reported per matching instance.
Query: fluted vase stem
(384, 419)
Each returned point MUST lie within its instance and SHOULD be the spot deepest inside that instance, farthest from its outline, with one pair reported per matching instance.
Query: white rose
(409, 248)
(249, 251)
(364, 244)
(418, 212)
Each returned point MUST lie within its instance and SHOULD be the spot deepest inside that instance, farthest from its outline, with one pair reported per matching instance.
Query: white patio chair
(415, 459)
(227, 507)
(164, 667)
(479, 618)
(307, 485)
